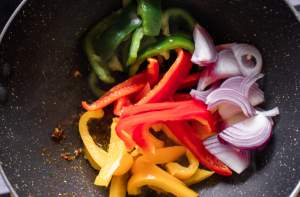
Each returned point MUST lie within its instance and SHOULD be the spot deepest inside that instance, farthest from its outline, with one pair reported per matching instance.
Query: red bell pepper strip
(120, 104)
(190, 81)
(187, 135)
(182, 97)
(153, 71)
(168, 111)
(170, 82)
(128, 87)
(143, 92)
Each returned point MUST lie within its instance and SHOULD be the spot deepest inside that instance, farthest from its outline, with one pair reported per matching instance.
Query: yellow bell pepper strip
(153, 176)
(161, 156)
(183, 172)
(97, 154)
(166, 130)
(199, 176)
(116, 152)
(88, 157)
(118, 186)
(155, 141)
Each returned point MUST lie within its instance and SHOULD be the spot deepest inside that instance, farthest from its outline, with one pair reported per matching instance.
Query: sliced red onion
(201, 95)
(226, 66)
(234, 119)
(248, 58)
(205, 52)
(248, 82)
(269, 113)
(226, 95)
(251, 133)
(237, 160)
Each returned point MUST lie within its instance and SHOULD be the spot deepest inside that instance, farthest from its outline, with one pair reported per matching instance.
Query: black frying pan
(42, 46)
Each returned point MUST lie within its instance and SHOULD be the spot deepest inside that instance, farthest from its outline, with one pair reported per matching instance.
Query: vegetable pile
(199, 102)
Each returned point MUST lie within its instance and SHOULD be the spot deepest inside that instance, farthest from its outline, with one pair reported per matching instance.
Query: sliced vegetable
(106, 43)
(93, 79)
(188, 137)
(150, 12)
(248, 58)
(176, 13)
(118, 161)
(251, 133)
(225, 66)
(199, 176)
(205, 51)
(96, 60)
(171, 80)
(153, 71)
(237, 160)
(181, 97)
(118, 186)
(222, 95)
(201, 95)
(152, 175)
(183, 172)
(135, 45)
(190, 80)
(97, 154)
(160, 47)
(120, 104)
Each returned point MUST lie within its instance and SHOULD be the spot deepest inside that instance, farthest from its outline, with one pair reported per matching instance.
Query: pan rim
(11, 18)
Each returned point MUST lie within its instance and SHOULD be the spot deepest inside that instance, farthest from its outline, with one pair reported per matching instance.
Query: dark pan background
(43, 47)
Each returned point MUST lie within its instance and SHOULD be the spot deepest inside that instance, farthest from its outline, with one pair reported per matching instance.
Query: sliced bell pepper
(95, 154)
(119, 161)
(93, 85)
(190, 80)
(183, 172)
(153, 71)
(187, 135)
(106, 43)
(128, 87)
(199, 176)
(95, 60)
(168, 85)
(176, 13)
(120, 104)
(118, 186)
(133, 129)
(182, 97)
(155, 141)
(150, 12)
(135, 45)
(142, 93)
(154, 176)
(160, 47)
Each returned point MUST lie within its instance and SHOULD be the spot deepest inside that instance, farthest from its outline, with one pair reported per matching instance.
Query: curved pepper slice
(168, 85)
(154, 176)
(187, 135)
(120, 104)
(118, 161)
(133, 130)
(199, 176)
(135, 45)
(176, 13)
(182, 97)
(95, 153)
(183, 172)
(150, 12)
(118, 186)
(128, 87)
(190, 80)
(160, 47)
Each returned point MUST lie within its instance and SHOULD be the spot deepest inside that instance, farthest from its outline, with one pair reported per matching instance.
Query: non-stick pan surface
(43, 47)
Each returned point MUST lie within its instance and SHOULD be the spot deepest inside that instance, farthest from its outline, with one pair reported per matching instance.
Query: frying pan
(43, 47)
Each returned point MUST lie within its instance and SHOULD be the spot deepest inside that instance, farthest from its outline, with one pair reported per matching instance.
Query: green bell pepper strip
(112, 37)
(162, 46)
(95, 60)
(150, 12)
(93, 85)
(135, 45)
(176, 12)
